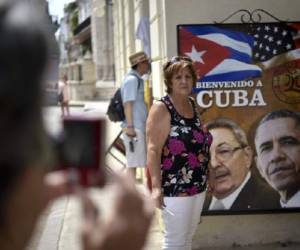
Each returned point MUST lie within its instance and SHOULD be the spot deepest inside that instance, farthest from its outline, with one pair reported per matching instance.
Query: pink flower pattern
(176, 146)
(192, 191)
(198, 136)
(184, 160)
(167, 163)
(192, 159)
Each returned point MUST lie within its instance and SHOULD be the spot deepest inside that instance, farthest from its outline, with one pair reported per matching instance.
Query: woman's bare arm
(157, 130)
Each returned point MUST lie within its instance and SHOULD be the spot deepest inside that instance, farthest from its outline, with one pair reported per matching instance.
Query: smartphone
(81, 150)
(131, 146)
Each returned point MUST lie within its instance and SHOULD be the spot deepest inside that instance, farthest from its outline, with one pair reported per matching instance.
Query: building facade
(103, 46)
(86, 49)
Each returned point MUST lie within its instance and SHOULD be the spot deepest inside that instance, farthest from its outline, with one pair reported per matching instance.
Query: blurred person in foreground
(231, 180)
(178, 155)
(277, 142)
(26, 187)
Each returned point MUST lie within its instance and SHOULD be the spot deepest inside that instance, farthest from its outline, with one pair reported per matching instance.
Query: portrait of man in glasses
(277, 143)
(232, 183)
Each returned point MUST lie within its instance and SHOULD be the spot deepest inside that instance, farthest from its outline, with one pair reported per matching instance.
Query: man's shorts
(137, 158)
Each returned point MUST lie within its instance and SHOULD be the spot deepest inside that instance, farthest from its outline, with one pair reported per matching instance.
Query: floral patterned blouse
(185, 154)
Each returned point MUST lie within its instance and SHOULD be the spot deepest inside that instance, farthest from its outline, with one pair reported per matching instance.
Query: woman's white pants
(181, 217)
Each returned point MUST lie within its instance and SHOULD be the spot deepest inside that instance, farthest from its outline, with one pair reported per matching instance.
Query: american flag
(272, 39)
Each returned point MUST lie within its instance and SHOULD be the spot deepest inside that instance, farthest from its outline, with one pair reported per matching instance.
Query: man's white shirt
(228, 201)
(293, 202)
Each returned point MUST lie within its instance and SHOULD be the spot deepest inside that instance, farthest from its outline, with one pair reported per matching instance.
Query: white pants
(137, 158)
(181, 218)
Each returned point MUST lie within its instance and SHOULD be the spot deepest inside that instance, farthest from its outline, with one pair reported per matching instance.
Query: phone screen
(82, 148)
(82, 144)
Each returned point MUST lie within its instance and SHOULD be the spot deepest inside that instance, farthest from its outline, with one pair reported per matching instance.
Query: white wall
(158, 44)
(124, 39)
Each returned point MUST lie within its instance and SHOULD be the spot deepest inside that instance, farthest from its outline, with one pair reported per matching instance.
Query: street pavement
(58, 228)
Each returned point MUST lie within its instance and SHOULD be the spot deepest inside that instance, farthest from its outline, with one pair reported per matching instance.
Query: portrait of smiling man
(277, 143)
(232, 184)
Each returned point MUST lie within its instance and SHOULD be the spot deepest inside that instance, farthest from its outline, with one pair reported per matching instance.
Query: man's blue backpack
(115, 110)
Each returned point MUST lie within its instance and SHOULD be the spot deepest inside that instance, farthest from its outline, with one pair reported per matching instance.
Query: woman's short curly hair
(173, 66)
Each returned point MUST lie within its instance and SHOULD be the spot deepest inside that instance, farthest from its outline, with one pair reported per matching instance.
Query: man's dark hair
(23, 59)
(280, 113)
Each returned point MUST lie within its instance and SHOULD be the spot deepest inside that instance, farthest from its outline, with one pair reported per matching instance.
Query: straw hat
(137, 58)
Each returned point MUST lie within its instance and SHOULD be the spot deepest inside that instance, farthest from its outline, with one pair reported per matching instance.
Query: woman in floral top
(178, 155)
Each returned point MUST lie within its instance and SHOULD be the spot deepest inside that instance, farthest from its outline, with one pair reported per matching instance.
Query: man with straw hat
(132, 91)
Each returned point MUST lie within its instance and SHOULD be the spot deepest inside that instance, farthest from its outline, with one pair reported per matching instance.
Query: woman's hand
(125, 227)
(158, 198)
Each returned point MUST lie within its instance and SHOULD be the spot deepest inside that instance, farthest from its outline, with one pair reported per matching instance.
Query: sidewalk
(88, 105)
(59, 228)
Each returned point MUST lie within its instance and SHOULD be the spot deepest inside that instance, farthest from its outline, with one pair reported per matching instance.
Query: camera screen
(82, 143)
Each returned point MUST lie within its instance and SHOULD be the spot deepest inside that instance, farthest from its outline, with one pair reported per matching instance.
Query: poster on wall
(248, 89)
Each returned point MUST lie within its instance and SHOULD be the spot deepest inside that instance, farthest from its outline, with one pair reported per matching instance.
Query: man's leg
(137, 157)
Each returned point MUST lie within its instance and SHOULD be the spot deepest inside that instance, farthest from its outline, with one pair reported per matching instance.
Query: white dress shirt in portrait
(293, 202)
(228, 201)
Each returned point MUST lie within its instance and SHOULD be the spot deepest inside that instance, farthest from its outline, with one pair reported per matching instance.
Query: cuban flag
(219, 54)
